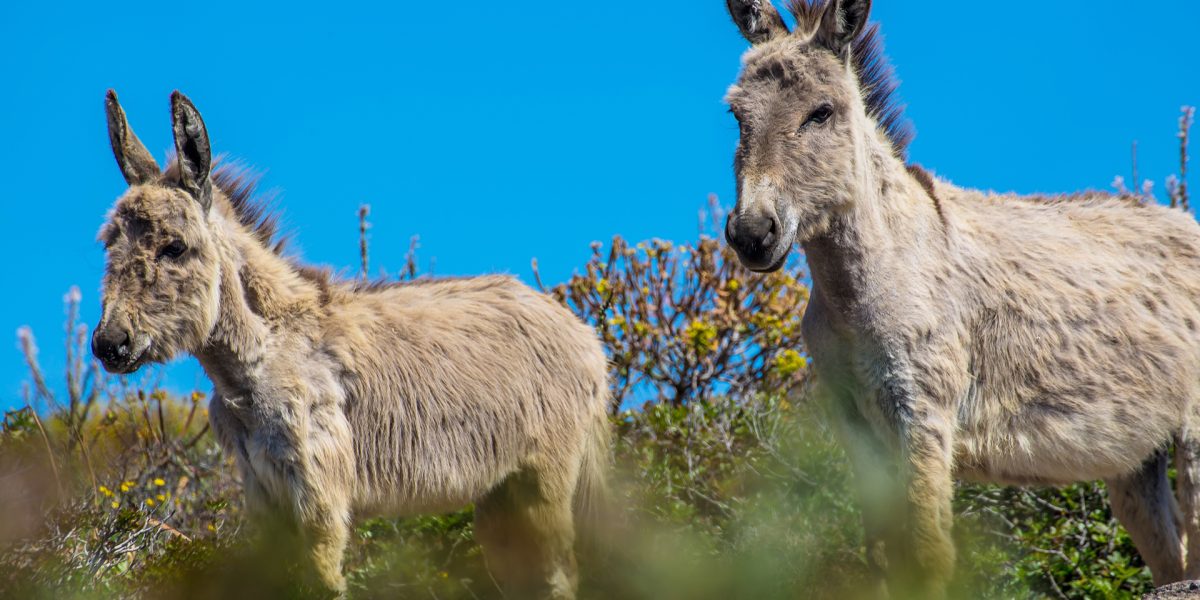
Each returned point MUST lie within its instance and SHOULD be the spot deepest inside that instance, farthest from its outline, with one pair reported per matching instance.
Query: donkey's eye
(818, 116)
(173, 250)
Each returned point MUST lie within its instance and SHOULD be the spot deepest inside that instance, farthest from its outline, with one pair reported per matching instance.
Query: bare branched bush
(688, 322)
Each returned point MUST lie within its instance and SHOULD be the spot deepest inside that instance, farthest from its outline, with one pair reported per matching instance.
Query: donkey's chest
(848, 367)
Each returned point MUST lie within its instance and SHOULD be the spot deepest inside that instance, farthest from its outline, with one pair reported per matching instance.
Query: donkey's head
(804, 102)
(161, 280)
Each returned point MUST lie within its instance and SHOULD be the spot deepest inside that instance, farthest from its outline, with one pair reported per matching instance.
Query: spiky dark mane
(876, 77)
(239, 185)
(253, 209)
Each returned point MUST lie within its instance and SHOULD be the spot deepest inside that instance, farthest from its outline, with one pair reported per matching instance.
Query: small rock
(1175, 591)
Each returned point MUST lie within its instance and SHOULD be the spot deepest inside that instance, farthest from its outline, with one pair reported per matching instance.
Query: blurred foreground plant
(96, 485)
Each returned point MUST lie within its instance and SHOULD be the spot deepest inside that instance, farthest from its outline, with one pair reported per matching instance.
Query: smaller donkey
(340, 400)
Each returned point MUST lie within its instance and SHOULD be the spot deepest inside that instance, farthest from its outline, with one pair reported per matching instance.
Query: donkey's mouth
(775, 266)
(133, 361)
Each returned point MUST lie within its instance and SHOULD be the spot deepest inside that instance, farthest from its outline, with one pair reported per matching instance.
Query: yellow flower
(789, 362)
(702, 336)
(602, 286)
(161, 498)
(126, 486)
(105, 491)
(733, 285)
(159, 481)
(115, 504)
(150, 502)
(212, 528)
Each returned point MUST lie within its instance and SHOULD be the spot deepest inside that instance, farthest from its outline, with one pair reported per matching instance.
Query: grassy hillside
(727, 481)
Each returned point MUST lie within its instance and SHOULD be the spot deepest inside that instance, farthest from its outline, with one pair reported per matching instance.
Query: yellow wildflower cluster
(127, 486)
(702, 336)
(789, 362)
(107, 492)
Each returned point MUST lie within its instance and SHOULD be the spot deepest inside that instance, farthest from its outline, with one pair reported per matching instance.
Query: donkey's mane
(876, 77)
(254, 210)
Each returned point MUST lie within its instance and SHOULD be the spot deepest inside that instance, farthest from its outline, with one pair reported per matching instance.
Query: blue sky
(499, 134)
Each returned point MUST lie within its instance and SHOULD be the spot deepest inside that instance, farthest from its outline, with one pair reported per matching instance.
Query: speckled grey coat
(1026, 340)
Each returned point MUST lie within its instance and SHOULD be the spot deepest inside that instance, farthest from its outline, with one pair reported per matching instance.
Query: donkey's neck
(880, 239)
(263, 301)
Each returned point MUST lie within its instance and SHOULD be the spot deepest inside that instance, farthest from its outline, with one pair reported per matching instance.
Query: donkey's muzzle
(755, 239)
(113, 345)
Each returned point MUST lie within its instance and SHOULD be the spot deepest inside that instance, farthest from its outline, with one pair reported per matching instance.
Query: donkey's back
(454, 385)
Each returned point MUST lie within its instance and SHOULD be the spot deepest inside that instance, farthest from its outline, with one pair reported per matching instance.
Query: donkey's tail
(593, 509)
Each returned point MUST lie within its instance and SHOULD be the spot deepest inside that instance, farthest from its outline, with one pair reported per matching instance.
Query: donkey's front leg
(324, 494)
(327, 530)
(880, 498)
(926, 446)
(304, 457)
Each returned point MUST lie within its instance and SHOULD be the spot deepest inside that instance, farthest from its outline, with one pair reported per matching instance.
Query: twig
(1133, 155)
(1185, 125)
(49, 450)
(363, 211)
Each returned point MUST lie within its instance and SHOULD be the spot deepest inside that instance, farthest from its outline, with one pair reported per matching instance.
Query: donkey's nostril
(755, 238)
(111, 343)
(772, 233)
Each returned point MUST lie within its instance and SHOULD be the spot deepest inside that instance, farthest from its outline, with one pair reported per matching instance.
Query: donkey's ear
(842, 23)
(192, 149)
(135, 162)
(757, 19)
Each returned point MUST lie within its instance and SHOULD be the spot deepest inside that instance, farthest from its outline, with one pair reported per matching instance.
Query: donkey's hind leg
(526, 529)
(1142, 501)
(1187, 490)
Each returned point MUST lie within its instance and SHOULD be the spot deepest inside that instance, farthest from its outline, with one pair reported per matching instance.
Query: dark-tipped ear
(757, 19)
(135, 162)
(842, 23)
(192, 149)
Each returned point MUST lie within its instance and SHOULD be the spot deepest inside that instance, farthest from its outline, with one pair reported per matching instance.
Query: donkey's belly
(1046, 442)
(383, 504)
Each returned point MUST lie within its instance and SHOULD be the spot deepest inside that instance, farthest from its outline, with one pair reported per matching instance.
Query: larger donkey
(341, 400)
(1024, 340)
